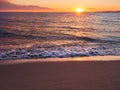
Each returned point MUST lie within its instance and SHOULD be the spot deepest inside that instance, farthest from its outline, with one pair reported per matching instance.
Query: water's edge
(74, 59)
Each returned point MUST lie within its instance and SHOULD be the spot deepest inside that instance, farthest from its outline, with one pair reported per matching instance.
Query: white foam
(67, 51)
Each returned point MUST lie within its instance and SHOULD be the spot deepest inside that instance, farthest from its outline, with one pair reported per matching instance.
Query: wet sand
(72, 75)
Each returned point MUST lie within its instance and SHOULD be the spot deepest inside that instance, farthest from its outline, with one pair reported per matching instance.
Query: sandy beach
(72, 75)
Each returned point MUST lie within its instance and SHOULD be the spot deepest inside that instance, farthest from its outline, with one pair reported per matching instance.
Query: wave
(54, 36)
(4, 33)
(61, 52)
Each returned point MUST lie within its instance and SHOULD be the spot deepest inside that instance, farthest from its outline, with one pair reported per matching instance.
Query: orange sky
(59, 6)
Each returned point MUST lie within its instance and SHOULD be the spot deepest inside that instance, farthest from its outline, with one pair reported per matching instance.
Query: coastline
(69, 59)
(60, 75)
(63, 48)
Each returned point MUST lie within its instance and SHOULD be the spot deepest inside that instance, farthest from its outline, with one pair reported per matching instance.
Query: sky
(58, 5)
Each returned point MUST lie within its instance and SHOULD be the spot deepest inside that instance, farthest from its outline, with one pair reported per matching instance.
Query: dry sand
(85, 75)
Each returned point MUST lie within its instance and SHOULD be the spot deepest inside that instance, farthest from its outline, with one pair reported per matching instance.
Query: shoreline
(74, 59)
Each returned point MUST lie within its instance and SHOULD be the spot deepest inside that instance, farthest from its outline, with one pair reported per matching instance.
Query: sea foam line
(62, 52)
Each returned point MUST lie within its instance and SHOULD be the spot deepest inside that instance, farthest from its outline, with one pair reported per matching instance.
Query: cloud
(6, 5)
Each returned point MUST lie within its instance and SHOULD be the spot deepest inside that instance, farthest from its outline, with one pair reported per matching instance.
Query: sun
(78, 10)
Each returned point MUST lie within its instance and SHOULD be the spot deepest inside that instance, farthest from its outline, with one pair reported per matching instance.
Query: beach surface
(64, 75)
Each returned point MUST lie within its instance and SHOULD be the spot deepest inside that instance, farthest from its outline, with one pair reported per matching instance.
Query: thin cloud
(6, 5)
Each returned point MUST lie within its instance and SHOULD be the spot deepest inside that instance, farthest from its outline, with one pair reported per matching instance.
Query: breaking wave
(61, 52)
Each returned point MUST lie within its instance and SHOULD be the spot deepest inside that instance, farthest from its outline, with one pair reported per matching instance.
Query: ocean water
(48, 35)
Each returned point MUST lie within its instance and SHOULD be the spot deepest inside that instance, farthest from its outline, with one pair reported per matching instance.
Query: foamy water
(45, 35)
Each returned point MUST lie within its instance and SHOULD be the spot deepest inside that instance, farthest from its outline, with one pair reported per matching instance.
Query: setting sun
(78, 10)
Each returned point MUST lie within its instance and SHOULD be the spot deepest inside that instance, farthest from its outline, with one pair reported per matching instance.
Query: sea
(59, 35)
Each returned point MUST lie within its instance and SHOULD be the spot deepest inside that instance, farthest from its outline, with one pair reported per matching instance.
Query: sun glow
(78, 10)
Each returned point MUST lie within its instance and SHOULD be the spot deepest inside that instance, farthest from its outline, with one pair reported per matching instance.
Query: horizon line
(54, 12)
